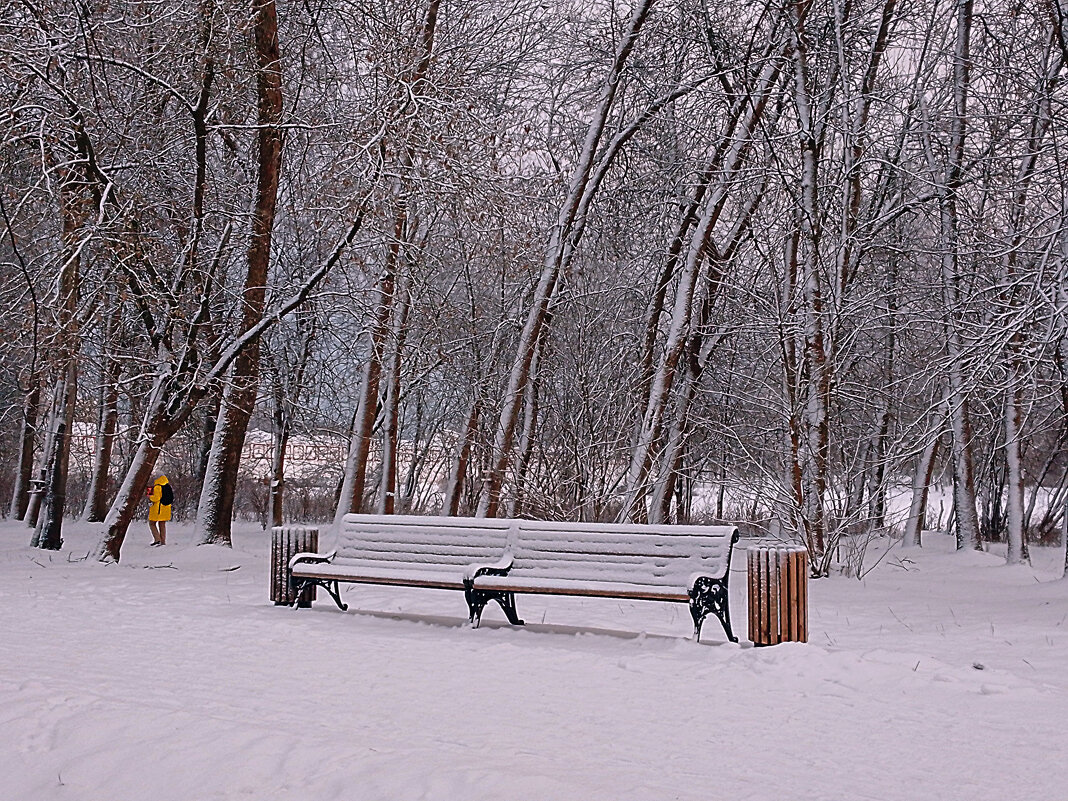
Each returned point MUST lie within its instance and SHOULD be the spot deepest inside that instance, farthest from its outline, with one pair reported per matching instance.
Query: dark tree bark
(216, 508)
(20, 497)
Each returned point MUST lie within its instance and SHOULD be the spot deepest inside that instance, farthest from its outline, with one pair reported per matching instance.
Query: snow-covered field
(171, 677)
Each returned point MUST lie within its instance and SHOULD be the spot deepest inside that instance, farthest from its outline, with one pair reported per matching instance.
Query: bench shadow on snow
(451, 622)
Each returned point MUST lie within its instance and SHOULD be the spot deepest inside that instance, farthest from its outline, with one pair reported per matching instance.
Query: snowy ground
(941, 676)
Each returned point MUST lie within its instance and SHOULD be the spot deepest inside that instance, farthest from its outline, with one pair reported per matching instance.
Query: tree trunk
(96, 500)
(51, 529)
(278, 481)
(387, 496)
(354, 482)
(216, 508)
(960, 415)
(458, 475)
(527, 434)
(129, 496)
(280, 439)
(921, 484)
(663, 378)
(33, 509)
(20, 497)
(1015, 552)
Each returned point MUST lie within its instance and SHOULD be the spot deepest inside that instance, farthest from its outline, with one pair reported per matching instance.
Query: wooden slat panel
(783, 598)
(750, 559)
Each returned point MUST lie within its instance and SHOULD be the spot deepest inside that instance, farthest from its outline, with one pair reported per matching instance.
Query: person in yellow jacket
(160, 496)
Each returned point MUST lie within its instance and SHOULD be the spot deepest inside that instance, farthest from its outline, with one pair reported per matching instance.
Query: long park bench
(491, 559)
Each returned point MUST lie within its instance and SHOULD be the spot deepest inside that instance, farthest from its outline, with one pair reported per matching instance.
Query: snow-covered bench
(437, 552)
(684, 564)
(494, 559)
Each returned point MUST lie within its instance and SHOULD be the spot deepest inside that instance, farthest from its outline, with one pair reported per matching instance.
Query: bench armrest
(498, 568)
(311, 558)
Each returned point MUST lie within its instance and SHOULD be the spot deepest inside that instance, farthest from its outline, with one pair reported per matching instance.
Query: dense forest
(797, 264)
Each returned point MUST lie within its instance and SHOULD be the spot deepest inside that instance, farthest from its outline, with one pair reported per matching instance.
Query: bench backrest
(410, 541)
(663, 558)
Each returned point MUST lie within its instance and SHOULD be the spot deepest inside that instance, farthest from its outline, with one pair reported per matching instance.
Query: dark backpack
(166, 495)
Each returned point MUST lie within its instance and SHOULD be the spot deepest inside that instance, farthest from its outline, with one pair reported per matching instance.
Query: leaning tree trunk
(657, 387)
(216, 508)
(131, 492)
(921, 485)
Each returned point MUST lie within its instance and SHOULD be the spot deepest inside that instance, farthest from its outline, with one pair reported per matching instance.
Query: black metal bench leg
(477, 600)
(710, 595)
(507, 602)
(332, 588)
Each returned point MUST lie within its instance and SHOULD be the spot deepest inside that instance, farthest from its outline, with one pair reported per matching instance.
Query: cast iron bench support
(710, 595)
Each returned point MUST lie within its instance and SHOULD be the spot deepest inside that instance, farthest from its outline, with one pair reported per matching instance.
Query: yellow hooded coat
(158, 512)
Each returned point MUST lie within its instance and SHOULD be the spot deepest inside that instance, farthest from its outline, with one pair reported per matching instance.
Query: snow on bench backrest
(662, 557)
(411, 541)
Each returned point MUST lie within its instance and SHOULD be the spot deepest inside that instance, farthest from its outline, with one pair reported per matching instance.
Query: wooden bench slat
(455, 556)
(630, 529)
(598, 589)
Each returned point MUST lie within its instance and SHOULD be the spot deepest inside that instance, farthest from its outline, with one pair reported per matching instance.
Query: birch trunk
(819, 369)
(1015, 552)
(964, 503)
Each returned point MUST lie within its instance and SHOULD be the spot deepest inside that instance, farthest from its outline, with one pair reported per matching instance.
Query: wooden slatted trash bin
(778, 594)
(287, 542)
